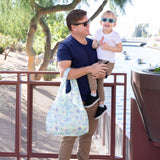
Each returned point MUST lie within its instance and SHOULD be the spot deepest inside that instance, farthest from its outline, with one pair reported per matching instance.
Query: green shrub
(7, 41)
(1, 50)
(157, 70)
(49, 77)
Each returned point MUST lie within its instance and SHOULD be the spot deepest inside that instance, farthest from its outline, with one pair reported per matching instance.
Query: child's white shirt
(112, 40)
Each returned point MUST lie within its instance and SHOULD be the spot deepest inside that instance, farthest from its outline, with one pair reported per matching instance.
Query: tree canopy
(141, 30)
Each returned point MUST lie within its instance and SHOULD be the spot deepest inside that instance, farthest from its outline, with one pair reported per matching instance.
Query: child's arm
(117, 48)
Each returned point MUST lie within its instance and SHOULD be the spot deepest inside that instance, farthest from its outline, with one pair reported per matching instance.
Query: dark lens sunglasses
(84, 23)
(110, 20)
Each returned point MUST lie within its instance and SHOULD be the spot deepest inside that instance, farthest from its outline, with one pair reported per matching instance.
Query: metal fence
(23, 107)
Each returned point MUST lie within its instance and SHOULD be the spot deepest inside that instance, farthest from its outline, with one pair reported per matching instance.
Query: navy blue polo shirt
(80, 56)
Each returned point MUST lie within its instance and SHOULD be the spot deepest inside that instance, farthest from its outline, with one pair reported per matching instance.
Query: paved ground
(14, 61)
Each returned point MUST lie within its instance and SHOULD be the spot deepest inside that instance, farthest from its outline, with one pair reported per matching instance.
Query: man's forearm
(79, 72)
(75, 73)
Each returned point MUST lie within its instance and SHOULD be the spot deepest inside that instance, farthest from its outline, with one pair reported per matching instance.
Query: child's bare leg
(101, 102)
(94, 93)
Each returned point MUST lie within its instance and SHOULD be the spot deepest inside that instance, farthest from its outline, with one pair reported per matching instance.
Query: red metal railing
(23, 78)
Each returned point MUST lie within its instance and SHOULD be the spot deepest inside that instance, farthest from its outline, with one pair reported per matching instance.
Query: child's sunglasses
(84, 23)
(110, 20)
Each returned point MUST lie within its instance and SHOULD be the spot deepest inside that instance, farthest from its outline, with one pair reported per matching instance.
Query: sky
(140, 11)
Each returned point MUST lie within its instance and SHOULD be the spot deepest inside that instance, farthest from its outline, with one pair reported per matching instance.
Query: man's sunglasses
(84, 23)
(110, 20)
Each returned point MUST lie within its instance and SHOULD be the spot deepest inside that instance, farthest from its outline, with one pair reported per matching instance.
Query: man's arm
(98, 70)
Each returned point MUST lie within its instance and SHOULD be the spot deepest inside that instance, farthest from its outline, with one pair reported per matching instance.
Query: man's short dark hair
(74, 16)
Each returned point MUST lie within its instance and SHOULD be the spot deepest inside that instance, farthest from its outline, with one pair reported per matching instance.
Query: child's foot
(91, 101)
(100, 111)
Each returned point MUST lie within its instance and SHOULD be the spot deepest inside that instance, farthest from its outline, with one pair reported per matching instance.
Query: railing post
(29, 116)
(18, 117)
(113, 112)
(124, 118)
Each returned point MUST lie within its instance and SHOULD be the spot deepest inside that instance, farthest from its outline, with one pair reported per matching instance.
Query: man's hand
(98, 70)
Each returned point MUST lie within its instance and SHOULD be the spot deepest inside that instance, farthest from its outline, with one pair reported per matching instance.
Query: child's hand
(101, 41)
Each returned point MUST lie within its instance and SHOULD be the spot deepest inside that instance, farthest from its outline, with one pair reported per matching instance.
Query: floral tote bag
(67, 115)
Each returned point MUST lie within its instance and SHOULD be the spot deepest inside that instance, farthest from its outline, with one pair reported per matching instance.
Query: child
(107, 42)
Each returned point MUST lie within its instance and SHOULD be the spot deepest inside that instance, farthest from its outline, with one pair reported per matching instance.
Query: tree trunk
(29, 45)
(47, 48)
(40, 11)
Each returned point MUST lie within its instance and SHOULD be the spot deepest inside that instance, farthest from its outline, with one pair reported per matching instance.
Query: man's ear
(73, 27)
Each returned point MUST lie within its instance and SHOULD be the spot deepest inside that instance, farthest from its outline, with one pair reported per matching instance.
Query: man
(77, 53)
